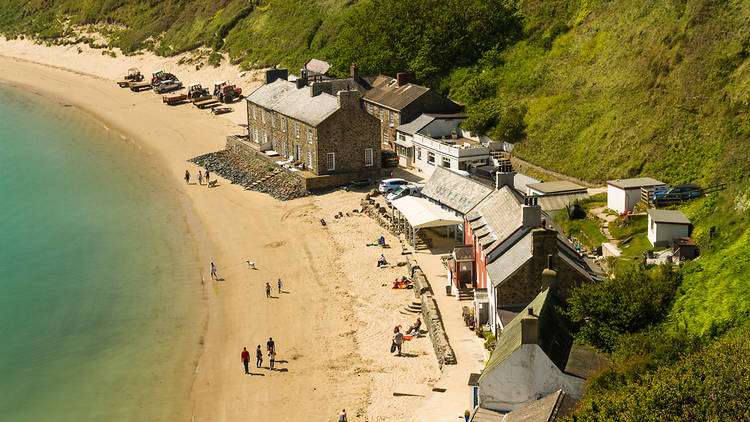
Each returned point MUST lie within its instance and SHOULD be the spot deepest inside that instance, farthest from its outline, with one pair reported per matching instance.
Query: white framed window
(255, 134)
(369, 107)
(369, 161)
(380, 113)
(265, 137)
(331, 161)
(419, 153)
(262, 115)
(385, 137)
(254, 117)
(431, 158)
(392, 114)
(296, 129)
(273, 118)
(309, 136)
(309, 160)
(446, 162)
(283, 149)
(283, 124)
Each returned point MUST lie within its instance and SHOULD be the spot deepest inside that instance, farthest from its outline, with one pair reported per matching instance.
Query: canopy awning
(421, 213)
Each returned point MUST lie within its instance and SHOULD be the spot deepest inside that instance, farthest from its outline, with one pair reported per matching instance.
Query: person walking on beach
(279, 284)
(187, 177)
(271, 358)
(208, 177)
(398, 340)
(200, 178)
(258, 357)
(342, 416)
(268, 289)
(213, 272)
(270, 345)
(245, 359)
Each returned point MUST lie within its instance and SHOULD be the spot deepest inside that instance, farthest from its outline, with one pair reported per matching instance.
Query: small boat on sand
(221, 110)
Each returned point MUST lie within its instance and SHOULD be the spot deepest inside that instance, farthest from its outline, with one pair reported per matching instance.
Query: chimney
(274, 74)
(544, 244)
(348, 98)
(504, 176)
(531, 212)
(353, 72)
(403, 78)
(530, 328)
(549, 276)
(300, 83)
(317, 87)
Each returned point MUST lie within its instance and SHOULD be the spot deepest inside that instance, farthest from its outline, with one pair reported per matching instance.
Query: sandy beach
(333, 320)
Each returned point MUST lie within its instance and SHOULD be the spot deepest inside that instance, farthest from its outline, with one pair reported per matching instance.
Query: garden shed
(623, 194)
(666, 225)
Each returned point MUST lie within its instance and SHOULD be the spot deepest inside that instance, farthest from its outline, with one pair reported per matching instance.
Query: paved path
(469, 350)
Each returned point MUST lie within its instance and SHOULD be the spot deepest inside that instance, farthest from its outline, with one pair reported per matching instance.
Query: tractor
(197, 91)
(160, 76)
(134, 75)
(225, 92)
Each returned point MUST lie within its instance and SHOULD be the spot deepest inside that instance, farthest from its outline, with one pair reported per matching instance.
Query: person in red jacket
(245, 359)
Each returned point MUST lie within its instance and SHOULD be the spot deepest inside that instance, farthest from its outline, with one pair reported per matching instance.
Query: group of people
(270, 349)
(200, 177)
(399, 337)
(268, 288)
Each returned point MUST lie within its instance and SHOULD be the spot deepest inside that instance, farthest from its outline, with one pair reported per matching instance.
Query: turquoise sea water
(99, 284)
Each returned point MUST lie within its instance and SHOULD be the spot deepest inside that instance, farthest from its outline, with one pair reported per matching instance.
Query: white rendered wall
(524, 376)
(633, 196)
(662, 233)
(615, 199)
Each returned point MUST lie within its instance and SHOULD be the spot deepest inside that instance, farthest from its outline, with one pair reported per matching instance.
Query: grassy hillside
(253, 33)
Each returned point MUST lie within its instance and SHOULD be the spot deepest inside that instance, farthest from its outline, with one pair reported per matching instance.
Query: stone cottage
(323, 129)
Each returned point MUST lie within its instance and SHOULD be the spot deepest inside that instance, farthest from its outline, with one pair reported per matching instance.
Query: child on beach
(187, 177)
(213, 272)
(258, 357)
(200, 178)
(279, 284)
(271, 358)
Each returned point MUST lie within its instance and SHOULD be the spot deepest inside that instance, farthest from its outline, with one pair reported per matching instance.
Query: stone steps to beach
(413, 308)
(465, 294)
(257, 182)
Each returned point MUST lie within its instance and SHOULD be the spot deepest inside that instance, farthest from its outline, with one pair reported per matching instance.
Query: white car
(404, 190)
(388, 185)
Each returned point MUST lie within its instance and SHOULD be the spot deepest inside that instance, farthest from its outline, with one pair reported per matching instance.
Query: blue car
(679, 192)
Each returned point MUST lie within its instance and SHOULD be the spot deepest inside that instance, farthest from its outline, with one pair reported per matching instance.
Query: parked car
(389, 158)
(679, 192)
(404, 190)
(389, 185)
(166, 86)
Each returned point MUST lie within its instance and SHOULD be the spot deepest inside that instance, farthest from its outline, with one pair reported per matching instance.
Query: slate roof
(511, 260)
(464, 252)
(668, 216)
(454, 191)
(550, 408)
(554, 336)
(496, 217)
(386, 92)
(558, 202)
(318, 66)
(634, 183)
(284, 97)
(556, 187)
(416, 125)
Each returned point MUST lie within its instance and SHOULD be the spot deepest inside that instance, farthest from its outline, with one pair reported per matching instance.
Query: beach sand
(333, 322)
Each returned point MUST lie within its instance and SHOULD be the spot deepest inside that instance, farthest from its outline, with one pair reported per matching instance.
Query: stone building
(321, 126)
(398, 101)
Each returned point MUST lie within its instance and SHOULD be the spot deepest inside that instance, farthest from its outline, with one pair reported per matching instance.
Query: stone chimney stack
(354, 73)
(530, 328)
(531, 212)
(274, 74)
(504, 176)
(348, 98)
(403, 78)
(549, 276)
(316, 88)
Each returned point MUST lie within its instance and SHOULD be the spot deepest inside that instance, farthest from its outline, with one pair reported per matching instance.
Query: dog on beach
(251, 265)
(213, 182)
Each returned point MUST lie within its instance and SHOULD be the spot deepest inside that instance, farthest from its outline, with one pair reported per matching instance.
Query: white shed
(665, 225)
(623, 194)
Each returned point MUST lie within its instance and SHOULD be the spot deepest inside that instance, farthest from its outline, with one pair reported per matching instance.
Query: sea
(100, 289)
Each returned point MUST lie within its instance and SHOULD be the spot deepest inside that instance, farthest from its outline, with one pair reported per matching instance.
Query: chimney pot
(531, 311)
(354, 72)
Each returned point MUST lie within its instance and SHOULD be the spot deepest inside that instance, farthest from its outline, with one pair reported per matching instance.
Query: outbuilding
(666, 225)
(560, 187)
(623, 194)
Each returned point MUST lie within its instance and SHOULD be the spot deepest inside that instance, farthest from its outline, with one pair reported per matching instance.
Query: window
(385, 137)
(380, 113)
(283, 149)
(446, 162)
(392, 114)
(419, 153)
(273, 120)
(263, 115)
(331, 161)
(431, 158)
(273, 143)
(368, 157)
(254, 118)
(369, 107)
(255, 134)
(283, 124)
(296, 129)
(309, 160)
(309, 136)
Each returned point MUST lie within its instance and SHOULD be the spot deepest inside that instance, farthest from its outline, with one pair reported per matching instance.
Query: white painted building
(436, 140)
(665, 225)
(623, 194)
(535, 356)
